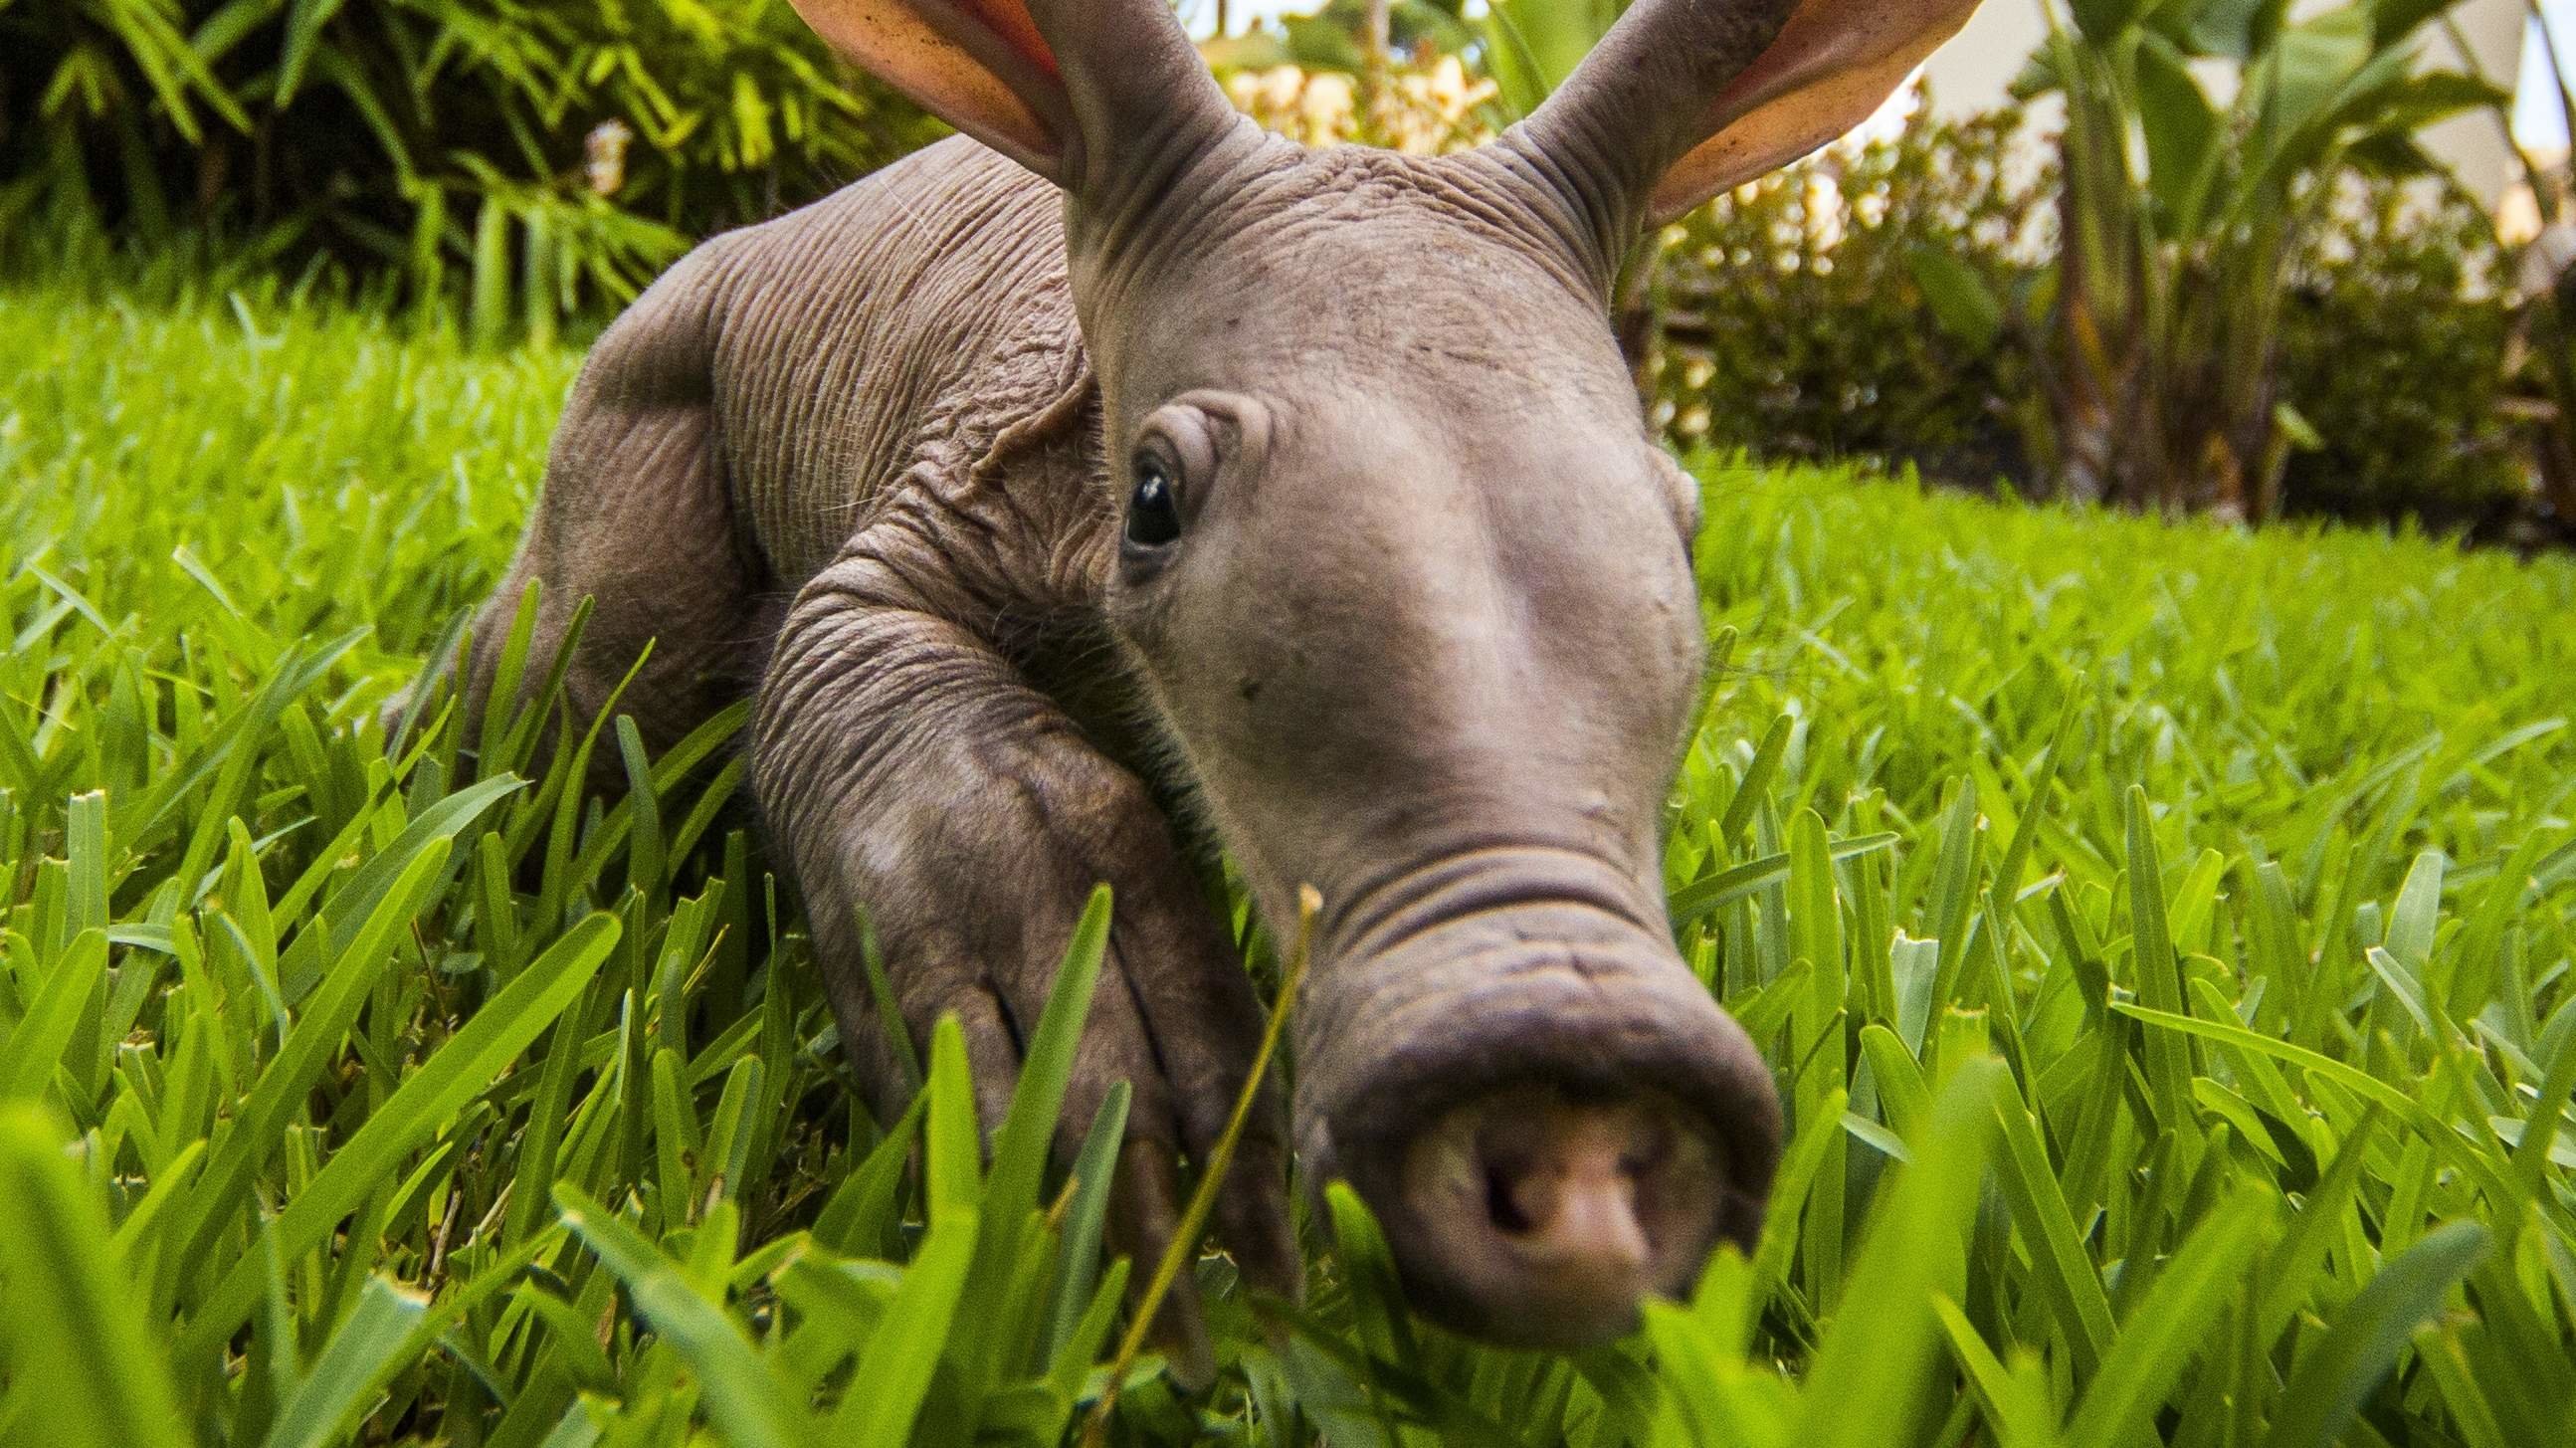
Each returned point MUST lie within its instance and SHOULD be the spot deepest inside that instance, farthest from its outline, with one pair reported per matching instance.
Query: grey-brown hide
(1411, 614)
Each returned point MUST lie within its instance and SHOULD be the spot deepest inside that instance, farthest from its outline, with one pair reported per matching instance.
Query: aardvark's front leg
(905, 768)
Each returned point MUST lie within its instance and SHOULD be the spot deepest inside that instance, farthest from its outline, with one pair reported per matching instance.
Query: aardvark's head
(1409, 586)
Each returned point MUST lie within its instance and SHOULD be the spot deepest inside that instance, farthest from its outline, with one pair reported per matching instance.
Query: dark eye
(1154, 509)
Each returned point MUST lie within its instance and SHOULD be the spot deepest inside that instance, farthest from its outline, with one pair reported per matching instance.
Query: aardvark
(1116, 461)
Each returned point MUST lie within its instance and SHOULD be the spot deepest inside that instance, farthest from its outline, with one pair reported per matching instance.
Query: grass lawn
(2162, 936)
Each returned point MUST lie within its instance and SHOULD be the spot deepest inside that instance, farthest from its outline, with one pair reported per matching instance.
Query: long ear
(1059, 86)
(1685, 98)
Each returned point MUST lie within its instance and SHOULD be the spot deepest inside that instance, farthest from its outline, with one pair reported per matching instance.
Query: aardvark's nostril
(1502, 1205)
(1563, 1180)
(1553, 1216)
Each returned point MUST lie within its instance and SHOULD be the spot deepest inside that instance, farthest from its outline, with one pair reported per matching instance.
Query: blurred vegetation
(2263, 305)
(1796, 325)
(2545, 321)
(2205, 144)
(1421, 107)
(536, 160)
(1336, 35)
(2396, 350)
(1863, 305)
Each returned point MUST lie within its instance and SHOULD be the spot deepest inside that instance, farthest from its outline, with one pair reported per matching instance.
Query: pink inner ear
(944, 54)
(1010, 21)
(1833, 63)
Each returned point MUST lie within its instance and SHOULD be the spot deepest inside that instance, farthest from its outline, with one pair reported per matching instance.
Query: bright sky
(2537, 119)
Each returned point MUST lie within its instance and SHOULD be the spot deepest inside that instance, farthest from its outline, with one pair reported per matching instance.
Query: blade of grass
(2361, 1346)
(361, 1355)
(91, 1373)
(1861, 1387)
(743, 1395)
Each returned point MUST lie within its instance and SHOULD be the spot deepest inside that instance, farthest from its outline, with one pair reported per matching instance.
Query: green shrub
(1795, 326)
(538, 159)
(2394, 350)
(1878, 303)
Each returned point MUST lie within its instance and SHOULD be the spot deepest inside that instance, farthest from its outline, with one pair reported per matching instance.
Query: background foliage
(2396, 348)
(2162, 936)
(1863, 306)
(2243, 272)
(541, 160)
(2204, 143)
(1796, 326)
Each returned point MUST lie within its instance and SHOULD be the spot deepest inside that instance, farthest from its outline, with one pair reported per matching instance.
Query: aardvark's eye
(1154, 509)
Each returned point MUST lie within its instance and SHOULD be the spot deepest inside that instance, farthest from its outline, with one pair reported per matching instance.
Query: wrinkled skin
(1425, 639)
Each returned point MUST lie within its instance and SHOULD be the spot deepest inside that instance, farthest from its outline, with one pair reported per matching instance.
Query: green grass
(2162, 935)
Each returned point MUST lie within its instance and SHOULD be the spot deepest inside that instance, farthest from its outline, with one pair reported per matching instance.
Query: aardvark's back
(904, 349)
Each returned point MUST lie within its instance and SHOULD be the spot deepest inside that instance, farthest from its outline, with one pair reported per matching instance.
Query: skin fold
(1409, 617)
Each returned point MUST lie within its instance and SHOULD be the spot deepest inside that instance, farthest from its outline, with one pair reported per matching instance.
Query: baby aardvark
(1117, 452)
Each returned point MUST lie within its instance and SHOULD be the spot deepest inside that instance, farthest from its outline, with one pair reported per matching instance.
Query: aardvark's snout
(1545, 1109)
